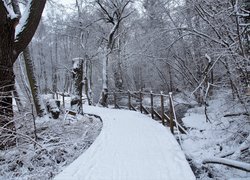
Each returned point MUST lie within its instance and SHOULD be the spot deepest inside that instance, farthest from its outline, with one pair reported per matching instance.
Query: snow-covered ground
(131, 146)
(216, 139)
(59, 143)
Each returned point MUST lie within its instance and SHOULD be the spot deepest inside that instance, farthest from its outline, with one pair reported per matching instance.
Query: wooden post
(63, 99)
(115, 100)
(152, 104)
(103, 99)
(140, 101)
(57, 95)
(171, 114)
(162, 109)
(129, 100)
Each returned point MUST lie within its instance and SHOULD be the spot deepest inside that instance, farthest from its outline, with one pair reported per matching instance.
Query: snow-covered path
(131, 146)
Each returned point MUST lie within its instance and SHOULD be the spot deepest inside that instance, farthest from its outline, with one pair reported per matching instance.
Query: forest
(58, 56)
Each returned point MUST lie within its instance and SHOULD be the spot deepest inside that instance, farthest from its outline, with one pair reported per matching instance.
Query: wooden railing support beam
(162, 110)
(115, 104)
(140, 101)
(129, 100)
(152, 104)
(171, 114)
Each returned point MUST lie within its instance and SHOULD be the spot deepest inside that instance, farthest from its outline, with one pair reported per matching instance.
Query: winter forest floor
(62, 141)
(223, 136)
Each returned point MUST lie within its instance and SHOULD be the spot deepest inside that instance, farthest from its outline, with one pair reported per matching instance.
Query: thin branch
(206, 74)
(23, 135)
(109, 17)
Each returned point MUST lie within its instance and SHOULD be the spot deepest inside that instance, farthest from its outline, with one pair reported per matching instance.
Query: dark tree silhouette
(12, 43)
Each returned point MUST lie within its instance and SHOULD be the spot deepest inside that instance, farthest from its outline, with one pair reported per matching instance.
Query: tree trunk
(54, 69)
(118, 67)
(87, 81)
(7, 81)
(247, 32)
(170, 79)
(32, 81)
(10, 47)
(78, 82)
(104, 98)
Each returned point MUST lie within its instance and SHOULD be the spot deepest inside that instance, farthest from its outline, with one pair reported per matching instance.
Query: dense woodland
(191, 47)
(179, 46)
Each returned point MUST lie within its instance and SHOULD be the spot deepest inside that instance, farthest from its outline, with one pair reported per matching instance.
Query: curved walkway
(131, 146)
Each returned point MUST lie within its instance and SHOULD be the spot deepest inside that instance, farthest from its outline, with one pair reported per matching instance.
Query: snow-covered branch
(4, 7)
(232, 163)
(203, 80)
(28, 24)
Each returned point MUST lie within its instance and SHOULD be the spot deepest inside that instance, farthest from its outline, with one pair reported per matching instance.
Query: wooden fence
(135, 101)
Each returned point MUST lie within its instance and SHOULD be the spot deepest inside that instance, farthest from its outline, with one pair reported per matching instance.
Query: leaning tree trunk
(7, 81)
(32, 81)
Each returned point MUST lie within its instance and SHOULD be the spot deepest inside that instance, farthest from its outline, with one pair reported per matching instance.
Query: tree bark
(104, 94)
(78, 82)
(32, 81)
(7, 78)
(10, 48)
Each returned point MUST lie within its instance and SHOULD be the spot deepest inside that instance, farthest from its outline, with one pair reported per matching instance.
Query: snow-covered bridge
(131, 146)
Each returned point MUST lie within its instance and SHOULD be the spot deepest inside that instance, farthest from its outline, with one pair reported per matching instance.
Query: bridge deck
(131, 146)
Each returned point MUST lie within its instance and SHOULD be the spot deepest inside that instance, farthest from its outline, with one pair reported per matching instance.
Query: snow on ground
(197, 121)
(131, 146)
(212, 140)
(61, 142)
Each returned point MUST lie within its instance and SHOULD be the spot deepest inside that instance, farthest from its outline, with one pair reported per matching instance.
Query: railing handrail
(171, 118)
(134, 92)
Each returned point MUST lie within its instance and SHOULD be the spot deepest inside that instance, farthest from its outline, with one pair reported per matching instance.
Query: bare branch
(28, 25)
(105, 12)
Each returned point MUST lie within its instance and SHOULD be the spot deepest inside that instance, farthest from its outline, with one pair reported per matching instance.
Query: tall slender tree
(113, 13)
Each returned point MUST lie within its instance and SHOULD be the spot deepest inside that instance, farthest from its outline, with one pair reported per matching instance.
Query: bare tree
(113, 13)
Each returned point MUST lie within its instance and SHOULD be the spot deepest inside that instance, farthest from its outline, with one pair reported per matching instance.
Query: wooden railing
(135, 100)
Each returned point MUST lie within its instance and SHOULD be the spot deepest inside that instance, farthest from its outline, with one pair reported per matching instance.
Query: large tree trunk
(10, 48)
(7, 81)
